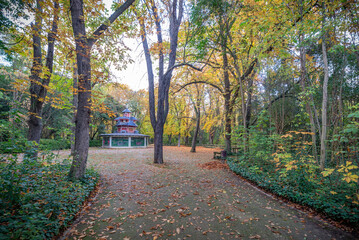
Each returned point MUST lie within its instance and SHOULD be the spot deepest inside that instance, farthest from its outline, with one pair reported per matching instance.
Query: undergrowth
(36, 198)
(18, 145)
(282, 165)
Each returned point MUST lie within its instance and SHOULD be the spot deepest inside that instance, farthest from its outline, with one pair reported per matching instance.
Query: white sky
(135, 75)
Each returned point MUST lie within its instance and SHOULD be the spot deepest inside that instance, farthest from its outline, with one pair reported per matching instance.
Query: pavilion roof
(127, 124)
(126, 118)
(124, 135)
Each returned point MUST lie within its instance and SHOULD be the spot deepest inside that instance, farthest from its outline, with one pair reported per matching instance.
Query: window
(137, 142)
(119, 142)
(106, 141)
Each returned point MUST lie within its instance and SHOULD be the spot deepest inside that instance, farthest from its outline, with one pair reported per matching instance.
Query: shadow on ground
(182, 200)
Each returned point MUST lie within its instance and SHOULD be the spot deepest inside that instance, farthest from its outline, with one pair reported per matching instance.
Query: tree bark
(75, 106)
(82, 121)
(38, 85)
(248, 115)
(195, 134)
(323, 137)
(164, 81)
(83, 59)
(227, 91)
(34, 122)
(211, 136)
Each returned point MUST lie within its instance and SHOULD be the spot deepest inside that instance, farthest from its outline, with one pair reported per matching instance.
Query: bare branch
(202, 82)
(101, 29)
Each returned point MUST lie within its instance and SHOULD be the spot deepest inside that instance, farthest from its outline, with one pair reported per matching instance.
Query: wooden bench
(220, 155)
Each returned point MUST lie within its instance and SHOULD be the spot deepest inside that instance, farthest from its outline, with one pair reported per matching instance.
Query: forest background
(276, 79)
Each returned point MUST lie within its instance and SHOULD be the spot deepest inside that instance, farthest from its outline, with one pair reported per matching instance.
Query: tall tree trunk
(158, 121)
(228, 125)
(35, 114)
(227, 91)
(83, 53)
(38, 86)
(158, 142)
(75, 106)
(323, 137)
(83, 60)
(170, 139)
(303, 77)
(248, 114)
(195, 134)
(179, 140)
(211, 136)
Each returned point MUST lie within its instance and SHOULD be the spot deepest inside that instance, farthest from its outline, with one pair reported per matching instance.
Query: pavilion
(126, 134)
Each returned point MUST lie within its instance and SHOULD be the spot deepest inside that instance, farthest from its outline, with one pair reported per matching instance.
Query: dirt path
(181, 200)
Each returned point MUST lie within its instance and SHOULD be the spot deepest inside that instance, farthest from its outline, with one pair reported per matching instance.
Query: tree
(83, 59)
(175, 12)
(197, 108)
(11, 12)
(323, 137)
(303, 76)
(234, 51)
(40, 77)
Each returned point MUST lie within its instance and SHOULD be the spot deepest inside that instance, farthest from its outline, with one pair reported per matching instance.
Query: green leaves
(327, 172)
(281, 164)
(37, 200)
(354, 115)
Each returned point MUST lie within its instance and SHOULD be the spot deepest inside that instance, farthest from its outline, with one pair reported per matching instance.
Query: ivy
(36, 198)
(330, 192)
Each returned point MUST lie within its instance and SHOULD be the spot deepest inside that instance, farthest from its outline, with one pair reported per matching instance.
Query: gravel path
(183, 200)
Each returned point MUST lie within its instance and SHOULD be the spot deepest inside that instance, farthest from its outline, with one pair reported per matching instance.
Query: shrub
(10, 146)
(54, 144)
(20, 145)
(333, 192)
(285, 168)
(96, 143)
(37, 199)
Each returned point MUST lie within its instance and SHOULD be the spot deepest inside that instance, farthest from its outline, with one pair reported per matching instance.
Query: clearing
(186, 198)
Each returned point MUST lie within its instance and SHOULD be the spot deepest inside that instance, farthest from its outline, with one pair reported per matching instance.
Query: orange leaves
(182, 212)
(134, 216)
(213, 165)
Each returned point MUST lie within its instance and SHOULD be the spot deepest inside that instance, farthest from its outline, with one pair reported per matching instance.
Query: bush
(301, 181)
(54, 144)
(20, 145)
(36, 198)
(9, 147)
(96, 143)
(284, 165)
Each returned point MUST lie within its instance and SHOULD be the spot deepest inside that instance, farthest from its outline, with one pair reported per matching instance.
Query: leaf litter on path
(190, 197)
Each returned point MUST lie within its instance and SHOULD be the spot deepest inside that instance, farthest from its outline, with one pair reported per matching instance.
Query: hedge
(19, 146)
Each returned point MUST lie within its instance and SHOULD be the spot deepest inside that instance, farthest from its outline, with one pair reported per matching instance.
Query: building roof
(127, 124)
(126, 111)
(126, 118)
(123, 135)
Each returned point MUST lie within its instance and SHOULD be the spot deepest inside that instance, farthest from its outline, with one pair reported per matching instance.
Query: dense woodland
(277, 79)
